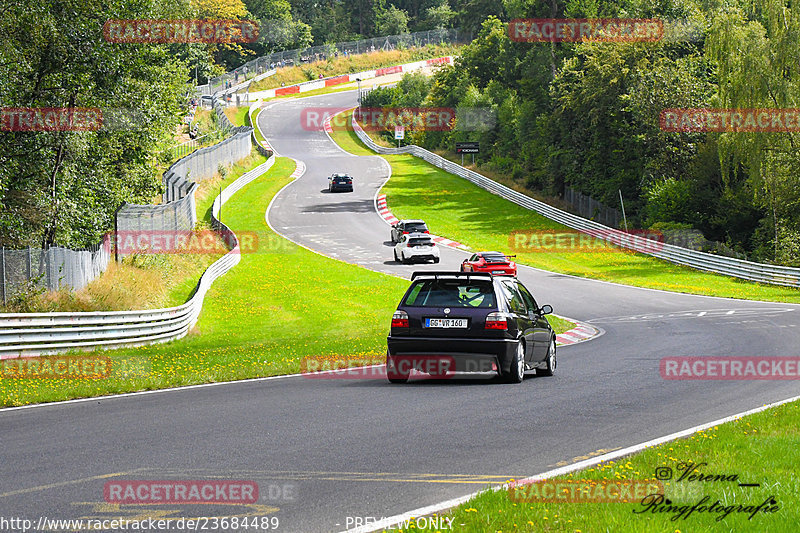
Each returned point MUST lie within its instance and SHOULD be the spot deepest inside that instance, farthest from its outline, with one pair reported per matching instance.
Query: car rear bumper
(497, 271)
(468, 355)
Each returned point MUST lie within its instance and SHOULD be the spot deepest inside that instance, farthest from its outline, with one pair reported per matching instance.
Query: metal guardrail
(30, 334)
(739, 268)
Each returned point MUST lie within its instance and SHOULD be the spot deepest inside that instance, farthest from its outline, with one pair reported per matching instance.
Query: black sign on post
(468, 148)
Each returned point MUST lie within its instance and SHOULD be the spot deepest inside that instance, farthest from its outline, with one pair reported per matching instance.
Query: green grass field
(457, 209)
(760, 448)
(260, 319)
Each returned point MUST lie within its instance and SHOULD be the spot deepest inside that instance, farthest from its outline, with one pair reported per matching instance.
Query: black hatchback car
(470, 322)
(407, 227)
(340, 182)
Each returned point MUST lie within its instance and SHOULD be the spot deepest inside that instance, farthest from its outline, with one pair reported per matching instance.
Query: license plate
(445, 322)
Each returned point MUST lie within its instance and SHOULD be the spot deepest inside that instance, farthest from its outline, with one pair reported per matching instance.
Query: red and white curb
(299, 170)
(383, 211)
(582, 332)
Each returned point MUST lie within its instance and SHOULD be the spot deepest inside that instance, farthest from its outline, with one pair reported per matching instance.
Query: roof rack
(440, 274)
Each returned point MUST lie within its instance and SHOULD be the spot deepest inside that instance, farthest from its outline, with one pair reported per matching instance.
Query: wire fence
(57, 268)
(178, 212)
(288, 58)
(52, 269)
(588, 207)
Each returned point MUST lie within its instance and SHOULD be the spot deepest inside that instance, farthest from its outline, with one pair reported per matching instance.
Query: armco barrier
(31, 334)
(771, 274)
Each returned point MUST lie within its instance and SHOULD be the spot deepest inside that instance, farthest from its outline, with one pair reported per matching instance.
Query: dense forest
(586, 115)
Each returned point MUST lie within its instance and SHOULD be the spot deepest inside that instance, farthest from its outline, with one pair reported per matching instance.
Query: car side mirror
(546, 309)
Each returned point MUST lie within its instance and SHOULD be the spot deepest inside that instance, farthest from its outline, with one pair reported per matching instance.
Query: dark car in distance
(406, 227)
(340, 182)
(472, 322)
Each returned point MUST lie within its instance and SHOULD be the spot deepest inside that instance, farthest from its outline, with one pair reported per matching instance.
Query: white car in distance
(416, 247)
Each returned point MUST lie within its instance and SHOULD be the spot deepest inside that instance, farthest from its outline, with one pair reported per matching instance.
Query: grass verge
(260, 319)
(237, 115)
(348, 65)
(760, 448)
(455, 208)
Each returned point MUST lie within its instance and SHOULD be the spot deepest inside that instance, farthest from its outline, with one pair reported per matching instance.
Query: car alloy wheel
(551, 361)
(517, 371)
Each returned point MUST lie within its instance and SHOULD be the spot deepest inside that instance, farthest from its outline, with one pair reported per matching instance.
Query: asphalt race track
(325, 450)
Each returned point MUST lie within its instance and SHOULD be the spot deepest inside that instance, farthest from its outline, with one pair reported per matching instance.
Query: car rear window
(419, 242)
(411, 228)
(494, 258)
(451, 293)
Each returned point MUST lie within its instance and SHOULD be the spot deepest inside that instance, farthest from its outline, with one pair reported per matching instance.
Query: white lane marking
(710, 313)
(449, 504)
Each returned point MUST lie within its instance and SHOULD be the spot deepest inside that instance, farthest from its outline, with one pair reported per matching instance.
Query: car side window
(474, 257)
(515, 302)
(529, 300)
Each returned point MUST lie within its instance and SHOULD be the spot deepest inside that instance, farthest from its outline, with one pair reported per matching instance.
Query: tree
(64, 187)
(758, 64)
(389, 20)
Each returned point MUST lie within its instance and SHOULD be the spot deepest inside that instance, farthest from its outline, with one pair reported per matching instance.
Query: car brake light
(400, 319)
(405, 233)
(496, 321)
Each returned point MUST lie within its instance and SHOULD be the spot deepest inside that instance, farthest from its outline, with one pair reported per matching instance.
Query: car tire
(517, 371)
(392, 373)
(395, 256)
(403, 258)
(551, 361)
(435, 260)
